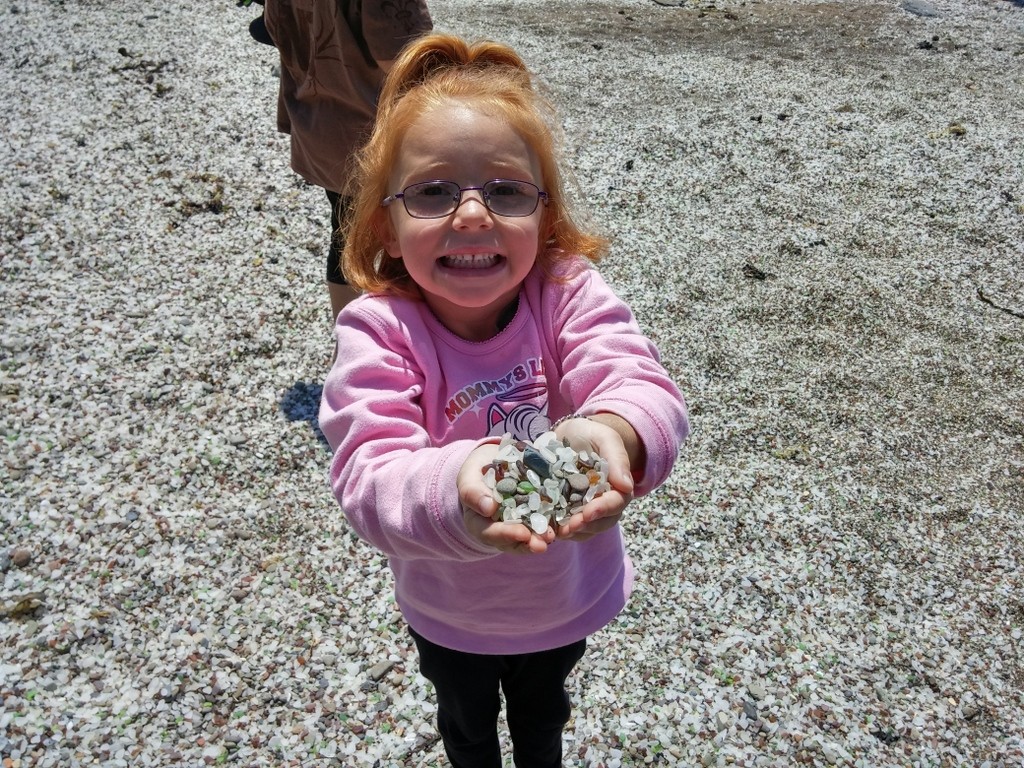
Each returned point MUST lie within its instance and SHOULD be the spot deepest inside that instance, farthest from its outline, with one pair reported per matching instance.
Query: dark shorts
(339, 209)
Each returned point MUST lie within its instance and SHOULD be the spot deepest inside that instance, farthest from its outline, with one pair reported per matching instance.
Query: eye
(503, 188)
(433, 189)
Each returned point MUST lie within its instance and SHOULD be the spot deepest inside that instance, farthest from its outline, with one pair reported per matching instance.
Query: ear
(386, 234)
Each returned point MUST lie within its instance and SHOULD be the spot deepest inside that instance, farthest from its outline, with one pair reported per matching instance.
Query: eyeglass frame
(542, 196)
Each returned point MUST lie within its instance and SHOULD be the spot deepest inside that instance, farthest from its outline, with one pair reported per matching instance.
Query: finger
(486, 506)
(479, 500)
(522, 539)
(608, 444)
(614, 452)
(579, 530)
(572, 526)
(608, 504)
(509, 538)
(539, 541)
(599, 515)
(536, 545)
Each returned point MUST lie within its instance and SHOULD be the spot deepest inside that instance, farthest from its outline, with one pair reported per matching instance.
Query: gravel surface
(818, 213)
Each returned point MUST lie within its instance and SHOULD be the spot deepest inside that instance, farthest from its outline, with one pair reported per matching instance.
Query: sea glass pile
(545, 482)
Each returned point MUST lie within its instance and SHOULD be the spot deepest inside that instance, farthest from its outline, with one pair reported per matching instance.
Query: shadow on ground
(301, 402)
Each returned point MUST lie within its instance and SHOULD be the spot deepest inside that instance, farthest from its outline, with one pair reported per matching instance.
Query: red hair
(431, 72)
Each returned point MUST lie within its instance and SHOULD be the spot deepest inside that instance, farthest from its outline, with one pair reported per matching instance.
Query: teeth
(471, 261)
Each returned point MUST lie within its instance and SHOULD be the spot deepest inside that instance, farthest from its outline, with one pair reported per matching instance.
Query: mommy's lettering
(467, 397)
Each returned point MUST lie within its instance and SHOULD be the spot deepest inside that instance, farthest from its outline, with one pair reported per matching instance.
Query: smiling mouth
(470, 261)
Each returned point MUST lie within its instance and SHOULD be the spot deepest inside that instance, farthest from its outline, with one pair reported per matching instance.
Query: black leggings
(537, 705)
(339, 209)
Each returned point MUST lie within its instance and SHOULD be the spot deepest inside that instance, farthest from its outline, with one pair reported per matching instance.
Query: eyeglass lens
(434, 199)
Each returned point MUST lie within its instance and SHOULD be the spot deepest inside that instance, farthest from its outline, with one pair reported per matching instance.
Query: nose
(471, 210)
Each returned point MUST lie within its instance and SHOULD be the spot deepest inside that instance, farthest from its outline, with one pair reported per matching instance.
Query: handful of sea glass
(546, 482)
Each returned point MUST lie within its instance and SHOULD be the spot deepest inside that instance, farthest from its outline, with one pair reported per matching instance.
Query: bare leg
(341, 295)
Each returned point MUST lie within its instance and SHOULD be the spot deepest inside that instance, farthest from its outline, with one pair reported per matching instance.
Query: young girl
(483, 316)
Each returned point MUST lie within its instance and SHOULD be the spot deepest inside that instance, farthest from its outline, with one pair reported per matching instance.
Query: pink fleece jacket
(408, 400)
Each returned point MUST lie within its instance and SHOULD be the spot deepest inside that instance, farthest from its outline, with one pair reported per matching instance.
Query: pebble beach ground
(817, 212)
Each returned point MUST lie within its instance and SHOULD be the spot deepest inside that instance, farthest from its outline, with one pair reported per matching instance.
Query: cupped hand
(596, 517)
(506, 537)
(594, 433)
(604, 511)
(473, 492)
(479, 506)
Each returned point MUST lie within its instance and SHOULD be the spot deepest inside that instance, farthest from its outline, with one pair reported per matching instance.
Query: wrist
(569, 417)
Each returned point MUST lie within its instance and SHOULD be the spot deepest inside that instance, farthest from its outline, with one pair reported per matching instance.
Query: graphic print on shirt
(516, 403)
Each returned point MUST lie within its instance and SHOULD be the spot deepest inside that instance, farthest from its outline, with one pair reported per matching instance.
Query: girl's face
(470, 263)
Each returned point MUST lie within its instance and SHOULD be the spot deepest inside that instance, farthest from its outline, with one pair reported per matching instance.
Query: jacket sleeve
(609, 365)
(397, 490)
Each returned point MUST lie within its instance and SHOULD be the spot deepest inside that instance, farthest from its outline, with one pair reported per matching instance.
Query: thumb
(614, 452)
(486, 505)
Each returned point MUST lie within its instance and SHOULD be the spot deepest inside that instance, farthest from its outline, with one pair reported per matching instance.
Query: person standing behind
(479, 281)
(334, 56)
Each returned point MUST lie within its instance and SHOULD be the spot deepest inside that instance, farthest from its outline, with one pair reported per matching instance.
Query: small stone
(833, 753)
(377, 671)
(271, 562)
(23, 605)
(919, 8)
(21, 557)
(579, 481)
(533, 459)
(750, 710)
(236, 438)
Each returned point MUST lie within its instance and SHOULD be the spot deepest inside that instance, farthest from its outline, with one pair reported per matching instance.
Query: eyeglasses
(435, 199)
